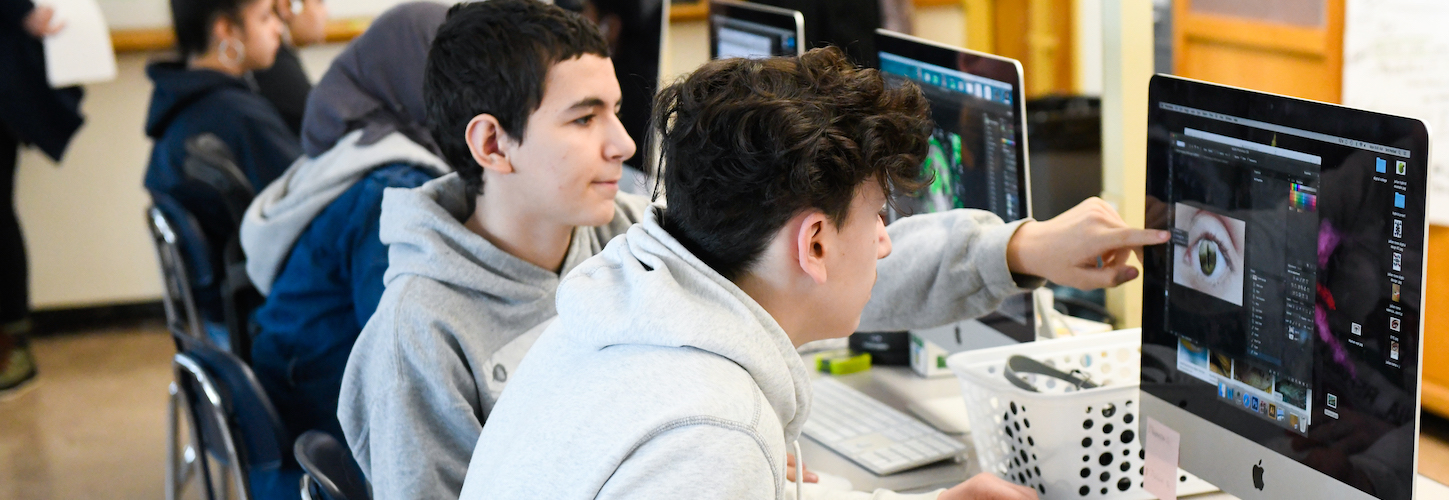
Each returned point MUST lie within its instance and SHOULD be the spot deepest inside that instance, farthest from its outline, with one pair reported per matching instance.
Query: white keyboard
(871, 434)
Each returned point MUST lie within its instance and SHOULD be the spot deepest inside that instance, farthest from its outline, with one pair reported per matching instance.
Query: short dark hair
(192, 20)
(492, 57)
(748, 144)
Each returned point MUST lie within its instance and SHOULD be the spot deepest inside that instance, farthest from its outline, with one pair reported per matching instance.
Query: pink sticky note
(1159, 474)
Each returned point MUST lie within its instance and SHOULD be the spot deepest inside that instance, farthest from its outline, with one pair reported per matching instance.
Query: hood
(426, 238)
(282, 211)
(177, 87)
(645, 288)
(376, 83)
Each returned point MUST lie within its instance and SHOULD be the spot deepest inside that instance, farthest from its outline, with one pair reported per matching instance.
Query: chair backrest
(233, 420)
(333, 473)
(181, 312)
(210, 163)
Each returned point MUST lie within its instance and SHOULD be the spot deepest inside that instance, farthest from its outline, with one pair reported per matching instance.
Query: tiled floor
(94, 427)
(94, 424)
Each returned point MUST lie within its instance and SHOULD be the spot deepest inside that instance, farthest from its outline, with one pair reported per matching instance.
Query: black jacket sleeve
(12, 14)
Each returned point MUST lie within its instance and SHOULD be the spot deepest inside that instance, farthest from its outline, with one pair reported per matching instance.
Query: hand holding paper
(39, 22)
(81, 53)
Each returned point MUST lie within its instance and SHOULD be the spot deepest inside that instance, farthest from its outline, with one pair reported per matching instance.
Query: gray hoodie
(661, 379)
(457, 315)
(282, 211)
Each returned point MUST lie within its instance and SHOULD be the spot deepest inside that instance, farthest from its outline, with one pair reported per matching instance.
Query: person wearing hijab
(311, 238)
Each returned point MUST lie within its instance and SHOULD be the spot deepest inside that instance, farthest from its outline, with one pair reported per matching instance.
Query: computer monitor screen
(747, 30)
(977, 155)
(1281, 324)
(635, 32)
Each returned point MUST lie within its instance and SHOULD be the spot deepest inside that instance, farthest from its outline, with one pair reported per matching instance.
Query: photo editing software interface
(741, 38)
(973, 154)
(973, 159)
(1293, 277)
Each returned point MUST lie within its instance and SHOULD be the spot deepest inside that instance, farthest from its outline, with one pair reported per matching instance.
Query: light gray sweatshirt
(456, 316)
(661, 379)
(282, 211)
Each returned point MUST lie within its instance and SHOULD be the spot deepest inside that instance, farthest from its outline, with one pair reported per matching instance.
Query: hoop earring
(232, 61)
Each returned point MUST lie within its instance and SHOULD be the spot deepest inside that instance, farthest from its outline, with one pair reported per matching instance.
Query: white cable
(799, 471)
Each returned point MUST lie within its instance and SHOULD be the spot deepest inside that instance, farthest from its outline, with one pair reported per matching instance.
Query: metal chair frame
(187, 367)
(181, 312)
(181, 317)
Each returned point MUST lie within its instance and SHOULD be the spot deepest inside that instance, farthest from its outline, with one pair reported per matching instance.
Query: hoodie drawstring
(799, 470)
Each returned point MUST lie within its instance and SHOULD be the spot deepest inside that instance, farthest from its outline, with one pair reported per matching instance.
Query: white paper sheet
(1394, 54)
(1160, 473)
(81, 52)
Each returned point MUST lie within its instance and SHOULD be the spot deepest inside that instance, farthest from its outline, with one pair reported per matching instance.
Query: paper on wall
(81, 52)
(1394, 54)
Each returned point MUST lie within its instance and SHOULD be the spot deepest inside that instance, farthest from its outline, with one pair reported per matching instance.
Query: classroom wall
(83, 218)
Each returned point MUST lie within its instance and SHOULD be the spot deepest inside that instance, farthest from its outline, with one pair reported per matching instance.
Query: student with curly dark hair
(672, 372)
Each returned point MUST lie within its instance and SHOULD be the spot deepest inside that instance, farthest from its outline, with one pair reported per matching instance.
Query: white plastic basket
(1063, 442)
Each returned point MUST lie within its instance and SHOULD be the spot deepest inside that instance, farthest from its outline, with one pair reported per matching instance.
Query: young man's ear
(810, 245)
(486, 140)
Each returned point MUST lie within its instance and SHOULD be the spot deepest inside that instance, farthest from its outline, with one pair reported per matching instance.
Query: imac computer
(1281, 326)
(977, 155)
(738, 29)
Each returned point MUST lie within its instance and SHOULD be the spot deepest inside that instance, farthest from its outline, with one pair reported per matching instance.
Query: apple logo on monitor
(1258, 476)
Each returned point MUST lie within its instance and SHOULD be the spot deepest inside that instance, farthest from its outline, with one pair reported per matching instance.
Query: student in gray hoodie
(671, 370)
(522, 101)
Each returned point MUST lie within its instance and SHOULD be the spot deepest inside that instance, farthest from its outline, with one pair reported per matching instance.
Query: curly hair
(750, 143)
(493, 58)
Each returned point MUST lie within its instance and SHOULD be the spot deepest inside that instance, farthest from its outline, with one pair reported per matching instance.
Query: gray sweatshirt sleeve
(412, 423)
(943, 267)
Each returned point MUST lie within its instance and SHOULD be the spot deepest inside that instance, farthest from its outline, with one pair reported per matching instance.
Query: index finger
(1134, 239)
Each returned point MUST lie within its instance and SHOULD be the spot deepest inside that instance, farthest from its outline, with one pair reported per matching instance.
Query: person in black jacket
(30, 113)
(285, 84)
(206, 92)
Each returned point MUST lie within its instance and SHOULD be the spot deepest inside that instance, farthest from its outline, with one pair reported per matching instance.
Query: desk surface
(897, 387)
